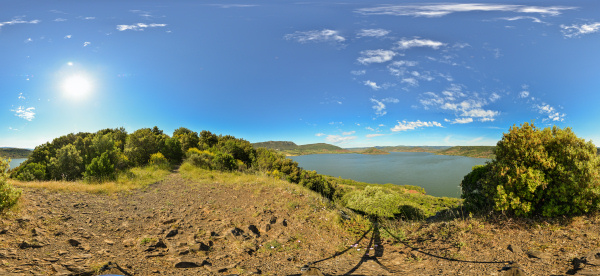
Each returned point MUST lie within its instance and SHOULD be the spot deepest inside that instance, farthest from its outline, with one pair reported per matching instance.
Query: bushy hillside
(14, 153)
(291, 149)
(470, 151)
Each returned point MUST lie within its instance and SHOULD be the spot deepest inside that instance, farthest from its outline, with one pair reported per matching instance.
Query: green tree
(31, 172)
(67, 164)
(207, 140)
(140, 145)
(187, 138)
(550, 172)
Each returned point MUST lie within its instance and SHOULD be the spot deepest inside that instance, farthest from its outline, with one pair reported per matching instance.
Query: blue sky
(352, 73)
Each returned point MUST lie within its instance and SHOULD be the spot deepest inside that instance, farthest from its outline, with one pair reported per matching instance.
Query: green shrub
(201, 159)
(100, 168)
(31, 172)
(8, 194)
(223, 162)
(159, 160)
(472, 189)
(549, 172)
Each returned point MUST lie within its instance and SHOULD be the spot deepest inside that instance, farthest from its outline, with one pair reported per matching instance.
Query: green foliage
(67, 164)
(101, 168)
(317, 183)
(380, 202)
(172, 150)
(207, 140)
(141, 144)
(159, 160)
(472, 188)
(223, 162)
(549, 172)
(201, 159)
(187, 138)
(31, 172)
(8, 194)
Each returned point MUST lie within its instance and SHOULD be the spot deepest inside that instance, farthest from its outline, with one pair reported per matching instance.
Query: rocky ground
(202, 226)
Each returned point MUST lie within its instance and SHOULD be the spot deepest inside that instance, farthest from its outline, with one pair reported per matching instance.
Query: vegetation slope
(14, 153)
(470, 151)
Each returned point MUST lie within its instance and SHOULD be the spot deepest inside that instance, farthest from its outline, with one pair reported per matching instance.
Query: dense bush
(67, 165)
(549, 172)
(31, 172)
(101, 168)
(159, 160)
(472, 189)
(8, 194)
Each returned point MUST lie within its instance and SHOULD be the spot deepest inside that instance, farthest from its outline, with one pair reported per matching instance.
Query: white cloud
(374, 135)
(372, 33)
(379, 107)
(452, 100)
(579, 30)
(348, 133)
(87, 43)
(324, 35)
(485, 115)
(439, 10)
(390, 100)
(68, 36)
(18, 20)
(405, 44)
(551, 112)
(460, 121)
(410, 81)
(25, 113)
(401, 63)
(89, 18)
(376, 56)
(532, 18)
(59, 20)
(494, 97)
(138, 26)
(320, 134)
(372, 84)
(21, 97)
(404, 125)
(358, 72)
(369, 128)
(524, 94)
(337, 139)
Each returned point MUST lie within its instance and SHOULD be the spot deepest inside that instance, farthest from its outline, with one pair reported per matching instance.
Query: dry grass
(135, 178)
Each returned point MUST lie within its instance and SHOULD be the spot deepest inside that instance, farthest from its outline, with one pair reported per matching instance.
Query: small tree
(101, 168)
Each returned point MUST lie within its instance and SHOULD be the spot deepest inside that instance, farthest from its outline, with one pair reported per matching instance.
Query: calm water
(16, 162)
(440, 175)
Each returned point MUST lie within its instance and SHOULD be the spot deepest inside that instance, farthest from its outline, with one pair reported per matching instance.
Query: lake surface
(16, 162)
(440, 175)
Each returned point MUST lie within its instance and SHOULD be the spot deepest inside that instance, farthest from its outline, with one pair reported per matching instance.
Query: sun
(77, 86)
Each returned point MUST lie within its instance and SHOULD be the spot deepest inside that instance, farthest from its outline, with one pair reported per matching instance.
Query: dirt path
(185, 227)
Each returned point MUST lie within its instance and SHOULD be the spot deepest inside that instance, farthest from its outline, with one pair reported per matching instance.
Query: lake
(16, 162)
(440, 175)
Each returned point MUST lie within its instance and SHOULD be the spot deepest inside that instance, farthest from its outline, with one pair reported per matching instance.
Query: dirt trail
(185, 227)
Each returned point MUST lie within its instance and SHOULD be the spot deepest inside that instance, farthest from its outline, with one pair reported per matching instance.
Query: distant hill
(373, 151)
(431, 149)
(290, 148)
(470, 151)
(14, 153)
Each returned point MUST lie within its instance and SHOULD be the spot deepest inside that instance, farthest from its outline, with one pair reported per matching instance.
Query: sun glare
(77, 86)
